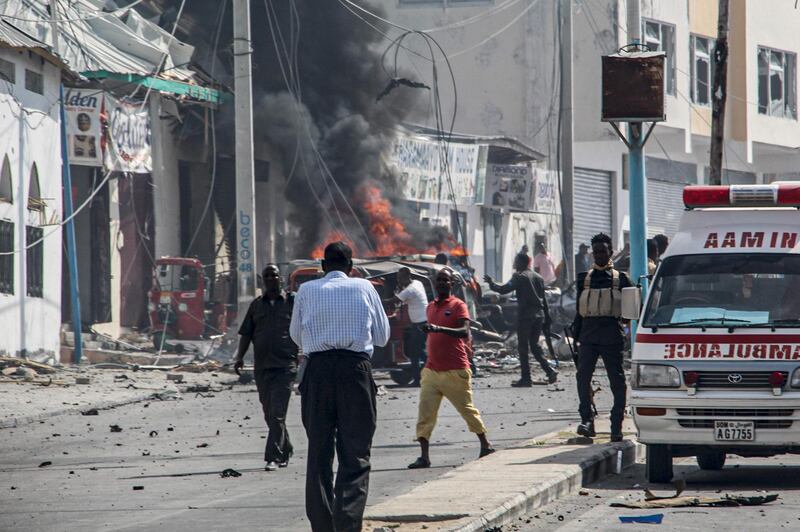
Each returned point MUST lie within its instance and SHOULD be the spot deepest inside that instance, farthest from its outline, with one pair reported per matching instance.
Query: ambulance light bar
(774, 195)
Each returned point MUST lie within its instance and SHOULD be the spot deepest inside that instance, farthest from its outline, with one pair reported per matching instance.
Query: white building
(30, 197)
(506, 63)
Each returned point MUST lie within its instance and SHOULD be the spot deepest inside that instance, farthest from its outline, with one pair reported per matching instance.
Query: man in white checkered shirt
(337, 321)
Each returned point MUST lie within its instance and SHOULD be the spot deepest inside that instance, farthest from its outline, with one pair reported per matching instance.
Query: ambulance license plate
(734, 430)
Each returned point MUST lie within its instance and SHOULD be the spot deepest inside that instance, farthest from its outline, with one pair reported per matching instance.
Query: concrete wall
(31, 324)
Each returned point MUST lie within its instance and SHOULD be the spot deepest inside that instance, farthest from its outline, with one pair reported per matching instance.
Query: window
(702, 70)
(777, 80)
(6, 186)
(35, 202)
(35, 260)
(6, 261)
(7, 71)
(34, 81)
(726, 289)
(660, 37)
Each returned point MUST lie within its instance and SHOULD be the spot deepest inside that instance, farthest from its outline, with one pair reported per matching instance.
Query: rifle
(571, 346)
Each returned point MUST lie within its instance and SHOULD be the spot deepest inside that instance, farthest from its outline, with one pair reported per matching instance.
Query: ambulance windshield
(726, 290)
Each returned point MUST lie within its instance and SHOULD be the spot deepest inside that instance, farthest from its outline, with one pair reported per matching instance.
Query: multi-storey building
(506, 60)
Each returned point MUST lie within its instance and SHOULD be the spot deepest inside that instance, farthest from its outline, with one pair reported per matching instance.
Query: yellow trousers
(456, 385)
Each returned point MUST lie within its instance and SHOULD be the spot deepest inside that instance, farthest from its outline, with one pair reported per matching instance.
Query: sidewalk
(497, 489)
(26, 402)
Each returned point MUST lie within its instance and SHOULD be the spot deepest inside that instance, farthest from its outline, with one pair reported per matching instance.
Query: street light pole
(637, 184)
(245, 184)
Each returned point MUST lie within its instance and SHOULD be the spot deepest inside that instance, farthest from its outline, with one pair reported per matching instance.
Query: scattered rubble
(46, 463)
(115, 428)
(230, 473)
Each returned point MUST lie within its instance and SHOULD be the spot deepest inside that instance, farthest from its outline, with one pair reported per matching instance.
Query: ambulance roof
(737, 230)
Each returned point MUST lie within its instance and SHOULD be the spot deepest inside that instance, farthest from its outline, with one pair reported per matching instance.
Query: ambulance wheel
(711, 461)
(402, 377)
(659, 463)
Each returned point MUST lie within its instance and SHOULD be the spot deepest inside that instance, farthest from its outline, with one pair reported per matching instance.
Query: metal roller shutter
(592, 205)
(664, 207)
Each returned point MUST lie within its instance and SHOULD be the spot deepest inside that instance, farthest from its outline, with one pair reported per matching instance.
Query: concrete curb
(591, 470)
(102, 405)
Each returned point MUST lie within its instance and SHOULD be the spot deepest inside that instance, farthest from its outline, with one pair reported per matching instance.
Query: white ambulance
(716, 361)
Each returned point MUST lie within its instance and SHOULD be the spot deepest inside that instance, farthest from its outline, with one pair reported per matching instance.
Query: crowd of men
(337, 321)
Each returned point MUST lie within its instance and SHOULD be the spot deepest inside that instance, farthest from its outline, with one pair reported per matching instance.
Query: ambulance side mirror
(631, 302)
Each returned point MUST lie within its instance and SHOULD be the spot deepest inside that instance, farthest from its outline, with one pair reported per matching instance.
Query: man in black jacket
(266, 326)
(532, 315)
(598, 329)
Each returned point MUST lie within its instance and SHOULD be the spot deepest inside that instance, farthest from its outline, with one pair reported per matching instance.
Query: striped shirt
(338, 312)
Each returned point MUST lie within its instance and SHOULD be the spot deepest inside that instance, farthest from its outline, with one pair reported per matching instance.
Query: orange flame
(387, 232)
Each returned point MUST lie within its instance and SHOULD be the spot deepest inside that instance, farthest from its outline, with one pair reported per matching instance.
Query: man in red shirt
(447, 373)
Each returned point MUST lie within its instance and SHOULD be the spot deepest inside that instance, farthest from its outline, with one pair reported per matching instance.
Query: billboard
(84, 131)
(128, 148)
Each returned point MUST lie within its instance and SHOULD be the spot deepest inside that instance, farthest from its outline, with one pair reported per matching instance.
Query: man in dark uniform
(266, 325)
(532, 315)
(598, 329)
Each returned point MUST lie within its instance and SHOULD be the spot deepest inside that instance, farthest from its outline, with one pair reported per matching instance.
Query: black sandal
(419, 463)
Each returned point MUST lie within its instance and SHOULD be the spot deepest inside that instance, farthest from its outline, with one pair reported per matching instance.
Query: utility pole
(54, 23)
(637, 184)
(566, 139)
(245, 183)
(719, 95)
(69, 229)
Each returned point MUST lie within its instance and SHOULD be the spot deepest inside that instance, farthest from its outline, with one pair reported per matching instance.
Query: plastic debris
(230, 473)
(654, 519)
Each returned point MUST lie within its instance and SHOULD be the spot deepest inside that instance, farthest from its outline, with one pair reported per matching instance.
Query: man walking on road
(337, 321)
(412, 294)
(446, 372)
(598, 329)
(532, 316)
(266, 326)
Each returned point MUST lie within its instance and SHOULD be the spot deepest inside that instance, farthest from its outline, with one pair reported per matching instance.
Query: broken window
(34, 81)
(660, 37)
(6, 261)
(777, 78)
(702, 70)
(35, 260)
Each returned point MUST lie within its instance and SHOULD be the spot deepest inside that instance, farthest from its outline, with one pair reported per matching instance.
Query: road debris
(138, 488)
(676, 501)
(90, 412)
(46, 463)
(230, 473)
(115, 428)
(83, 380)
(202, 445)
(175, 377)
(654, 519)
(153, 433)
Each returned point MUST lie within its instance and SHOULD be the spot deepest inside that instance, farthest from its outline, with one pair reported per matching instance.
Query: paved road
(753, 476)
(89, 485)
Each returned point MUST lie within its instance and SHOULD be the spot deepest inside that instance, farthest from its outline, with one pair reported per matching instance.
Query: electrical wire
(209, 198)
(292, 81)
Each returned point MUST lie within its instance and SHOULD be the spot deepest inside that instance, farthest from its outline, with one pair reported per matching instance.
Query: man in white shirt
(337, 321)
(412, 294)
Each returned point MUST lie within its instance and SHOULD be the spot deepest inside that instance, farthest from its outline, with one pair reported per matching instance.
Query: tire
(711, 461)
(659, 463)
(401, 378)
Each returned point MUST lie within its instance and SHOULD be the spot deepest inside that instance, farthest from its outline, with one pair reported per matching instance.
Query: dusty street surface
(93, 480)
(754, 476)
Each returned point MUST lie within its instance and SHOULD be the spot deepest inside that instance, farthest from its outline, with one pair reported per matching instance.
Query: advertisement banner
(545, 191)
(422, 178)
(509, 186)
(128, 147)
(84, 131)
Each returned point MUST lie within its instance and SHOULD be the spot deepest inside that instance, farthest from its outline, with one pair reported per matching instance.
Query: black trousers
(528, 332)
(339, 413)
(414, 347)
(612, 359)
(274, 391)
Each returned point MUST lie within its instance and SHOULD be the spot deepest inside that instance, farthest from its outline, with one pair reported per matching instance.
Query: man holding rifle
(533, 317)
